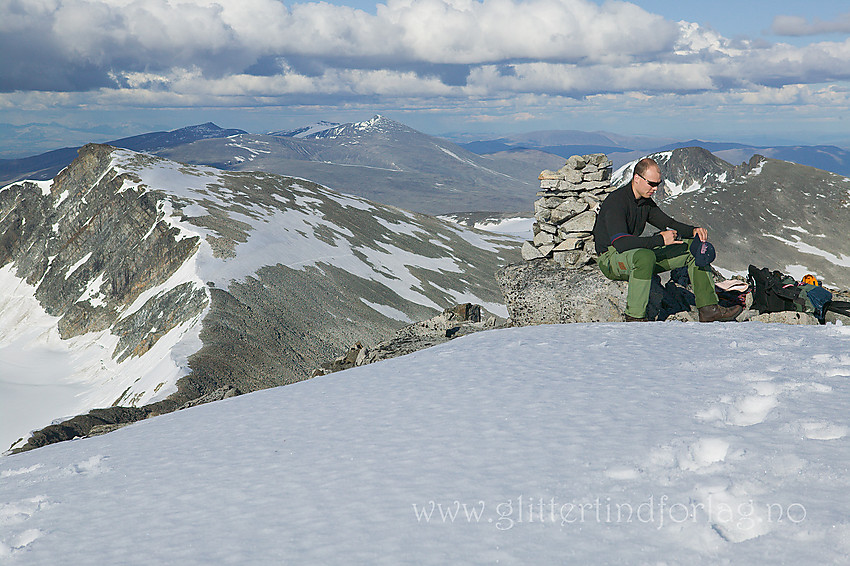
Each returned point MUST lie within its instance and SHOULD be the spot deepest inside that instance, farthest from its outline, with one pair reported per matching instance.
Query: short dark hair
(644, 164)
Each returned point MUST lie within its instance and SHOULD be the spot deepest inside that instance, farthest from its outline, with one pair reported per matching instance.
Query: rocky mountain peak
(684, 170)
(377, 125)
(305, 131)
(62, 240)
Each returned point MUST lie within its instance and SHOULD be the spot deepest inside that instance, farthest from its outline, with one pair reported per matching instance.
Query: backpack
(774, 291)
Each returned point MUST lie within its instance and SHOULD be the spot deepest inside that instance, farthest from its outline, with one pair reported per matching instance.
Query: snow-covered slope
(306, 131)
(731, 450)
(130, 273)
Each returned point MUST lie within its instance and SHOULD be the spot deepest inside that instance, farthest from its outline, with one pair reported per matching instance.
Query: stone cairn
(566, 210)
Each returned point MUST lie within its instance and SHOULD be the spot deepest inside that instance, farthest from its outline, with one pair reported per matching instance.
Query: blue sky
(754, 71)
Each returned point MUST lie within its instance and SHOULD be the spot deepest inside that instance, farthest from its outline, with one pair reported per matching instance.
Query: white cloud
(484, 56)
(229, 34)
(574, 80)
(797, 26)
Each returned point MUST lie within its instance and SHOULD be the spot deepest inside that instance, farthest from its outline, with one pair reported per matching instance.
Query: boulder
(546, 249)
(581, 223)
(530, 251)
(576, 162)
(571, 258)
(567, 209)
(542, 292)
(546, 227)
(571, 176)
(547, 175)
(542, 238)
(569, 244)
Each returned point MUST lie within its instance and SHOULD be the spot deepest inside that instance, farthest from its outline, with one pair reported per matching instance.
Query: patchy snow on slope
(289, 234)
(469, 161)
(758, 168)
(287, 224)
(731, 450)
(68, 377)
(675, 190)
(804, 247)
(520, 227)
(387, 311)
(452, 154)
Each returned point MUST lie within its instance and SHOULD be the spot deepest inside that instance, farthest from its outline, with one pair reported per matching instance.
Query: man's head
(646, 178)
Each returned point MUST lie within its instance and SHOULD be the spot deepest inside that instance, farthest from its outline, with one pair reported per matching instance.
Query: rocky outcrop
(453, 322)
(62, 237)
(543, 292)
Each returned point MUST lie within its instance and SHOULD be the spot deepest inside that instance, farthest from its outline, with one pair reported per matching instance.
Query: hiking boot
(716, 313)
(633, 319)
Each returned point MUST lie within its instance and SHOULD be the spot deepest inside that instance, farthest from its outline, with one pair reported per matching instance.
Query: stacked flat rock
(566, 210)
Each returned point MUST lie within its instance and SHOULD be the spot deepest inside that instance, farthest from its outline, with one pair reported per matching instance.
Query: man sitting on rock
(625, 255)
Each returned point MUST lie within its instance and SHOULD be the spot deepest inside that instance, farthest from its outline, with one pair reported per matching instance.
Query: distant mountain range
(391, 163)
(46, 165)
(378, 159)
(384, 161)
(623, 149)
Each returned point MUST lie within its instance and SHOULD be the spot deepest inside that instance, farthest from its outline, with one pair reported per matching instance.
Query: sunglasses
(653, 184)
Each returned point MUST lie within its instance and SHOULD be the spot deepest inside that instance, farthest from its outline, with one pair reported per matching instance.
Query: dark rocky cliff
(84, 229)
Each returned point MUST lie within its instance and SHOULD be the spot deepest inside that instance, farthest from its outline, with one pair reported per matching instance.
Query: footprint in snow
(92, 466)
(14, 514)
(702, 454)
(823, 431)
(732, 512)
(20, 471)
(750, 410)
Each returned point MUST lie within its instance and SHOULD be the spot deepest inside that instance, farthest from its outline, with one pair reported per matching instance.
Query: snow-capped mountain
(766, 212)
(623, 149)
(134, 281)
(306, 131)
(537, 445)
(684, 170)
(376, 125)
(381, 160)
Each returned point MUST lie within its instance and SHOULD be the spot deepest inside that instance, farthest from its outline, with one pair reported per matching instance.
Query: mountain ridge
(45, 166)
(184, 280)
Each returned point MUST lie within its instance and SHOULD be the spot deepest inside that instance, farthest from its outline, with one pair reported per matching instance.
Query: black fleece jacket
(622, 219)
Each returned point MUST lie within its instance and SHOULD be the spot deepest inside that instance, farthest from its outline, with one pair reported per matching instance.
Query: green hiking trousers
(637, 266)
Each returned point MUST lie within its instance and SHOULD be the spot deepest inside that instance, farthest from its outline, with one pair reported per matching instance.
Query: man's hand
(670, 237)
(702, 233)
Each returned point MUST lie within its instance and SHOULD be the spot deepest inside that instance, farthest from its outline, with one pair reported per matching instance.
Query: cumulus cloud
(798, 26)
(229, 36)
(262, 52)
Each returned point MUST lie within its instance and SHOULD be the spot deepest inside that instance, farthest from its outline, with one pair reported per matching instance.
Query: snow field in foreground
(586, 443)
